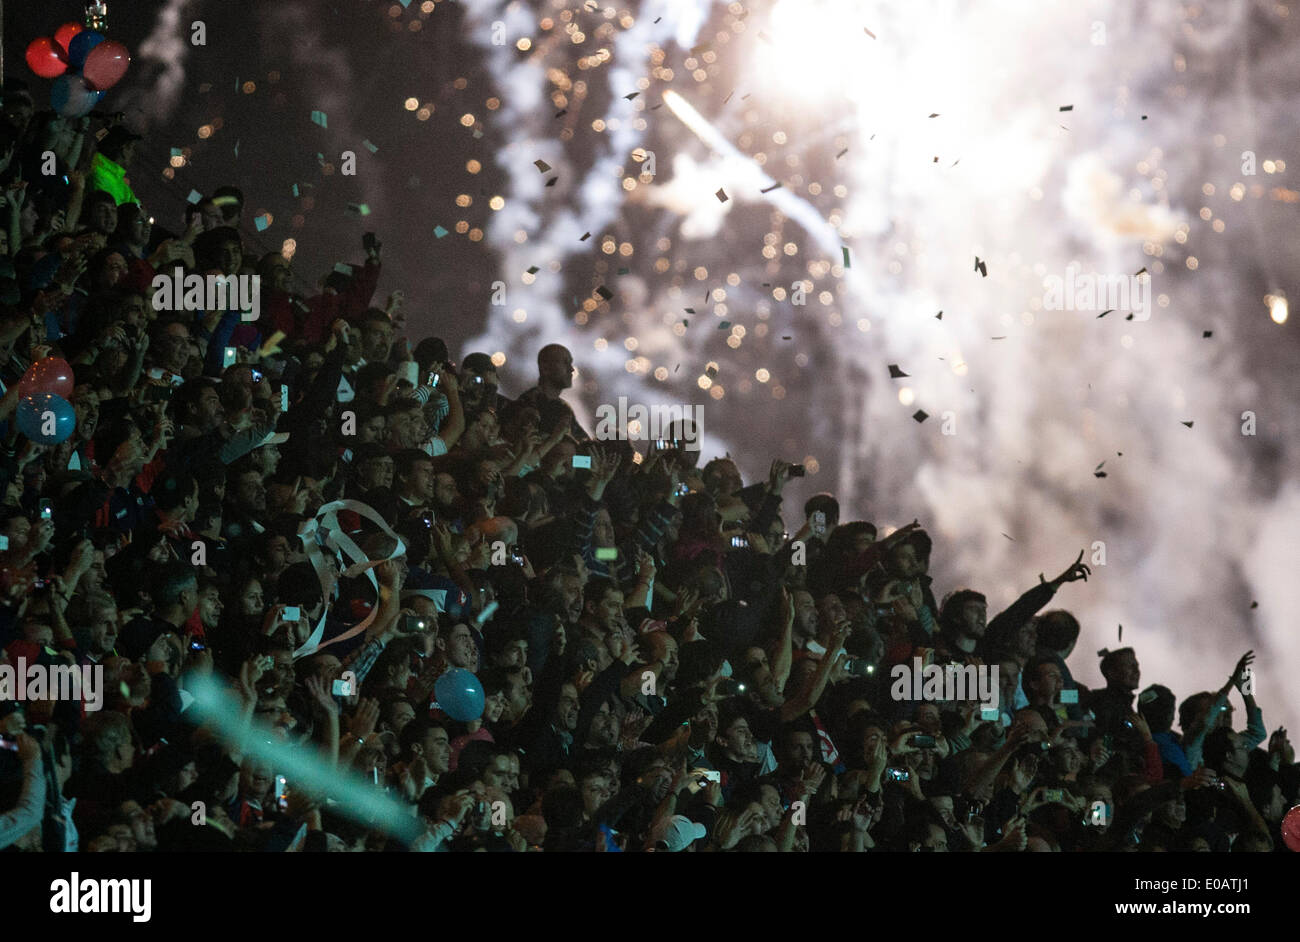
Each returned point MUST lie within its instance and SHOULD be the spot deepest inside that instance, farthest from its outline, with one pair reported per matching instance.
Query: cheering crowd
(318, 514)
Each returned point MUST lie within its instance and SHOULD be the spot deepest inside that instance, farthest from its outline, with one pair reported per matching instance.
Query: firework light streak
(1195, 521)
(302, 767)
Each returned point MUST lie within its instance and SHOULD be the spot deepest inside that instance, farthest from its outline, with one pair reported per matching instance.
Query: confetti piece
(1254, 604)
(869, 32)
(841, 153)
(237, 149)
(845, 250)
(1121, 632)
(295, 189)
(895, 372)
(343, 268)
(1009, 537)
(370, 147)
(689, 310)
(560, 114)
(542, 166)
(721, 195)
(439, 232)
(1067, 107)
(585, 237)
(920, 415)
(176, 152)
(631, 96)
(604, 293)
(624, 271)
(533, 270)
(939, 316)
(981, 267)
(1003, 337)
(775, 186)
(552, 181)
(1104, 313)
(194, 198)
(711, 372)
(934, 114)
(1140, 271)
(1188, 424)
(262, 222)
(1205, 334)
(319, 117)
(359, 209)
(786, 337)
(1144, 117)
(1099, 474)
(724, 325)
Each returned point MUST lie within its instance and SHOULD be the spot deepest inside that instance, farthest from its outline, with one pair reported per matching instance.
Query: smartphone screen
(47, 510)
(292, 613)
(228, 356)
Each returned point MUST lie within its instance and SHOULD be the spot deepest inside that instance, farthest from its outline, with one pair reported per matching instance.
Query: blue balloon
(81, 45)
(71, 97)
(459, 693)
(48, 419)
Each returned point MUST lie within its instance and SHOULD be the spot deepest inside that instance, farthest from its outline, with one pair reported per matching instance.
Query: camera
(292, 613)
(859, 667)
(47, 509)
(897, 775)
(797, 470)
(730, 687)
(414, 623)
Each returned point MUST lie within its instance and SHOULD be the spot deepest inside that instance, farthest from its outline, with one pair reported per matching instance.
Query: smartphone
(281, 792)
(342, 688)
(478, 380)
(158, 394)
(516, 555)
(897, 775)
(228, 357)
(709, 775)
(739, 542)
(427, 519)
(798, 471)
(819, 522)
(921, 741)
(47, 509)
(1069, 696)
(433, 379)
(1052, 794)
(582, 461)
(257, 374)
(198, 646)
(414, 623)
(4, 543)
(291, 613)
(606, 553)
(681, 490)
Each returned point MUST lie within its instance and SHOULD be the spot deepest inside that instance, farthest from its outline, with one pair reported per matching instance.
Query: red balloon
(51, 375)
(63, 35)
(1291, 828)
(46, 59)
(106, 65)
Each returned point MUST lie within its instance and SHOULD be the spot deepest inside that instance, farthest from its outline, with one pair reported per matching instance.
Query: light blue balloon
(34, 413)
(459, 693)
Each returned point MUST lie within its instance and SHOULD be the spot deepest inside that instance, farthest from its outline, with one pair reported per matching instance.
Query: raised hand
(1078, 570)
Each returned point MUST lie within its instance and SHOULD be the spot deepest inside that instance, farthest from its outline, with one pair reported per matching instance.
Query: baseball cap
(678, 832)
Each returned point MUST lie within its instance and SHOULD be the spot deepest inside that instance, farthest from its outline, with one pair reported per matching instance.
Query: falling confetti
(319, 117)
(721, 195)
